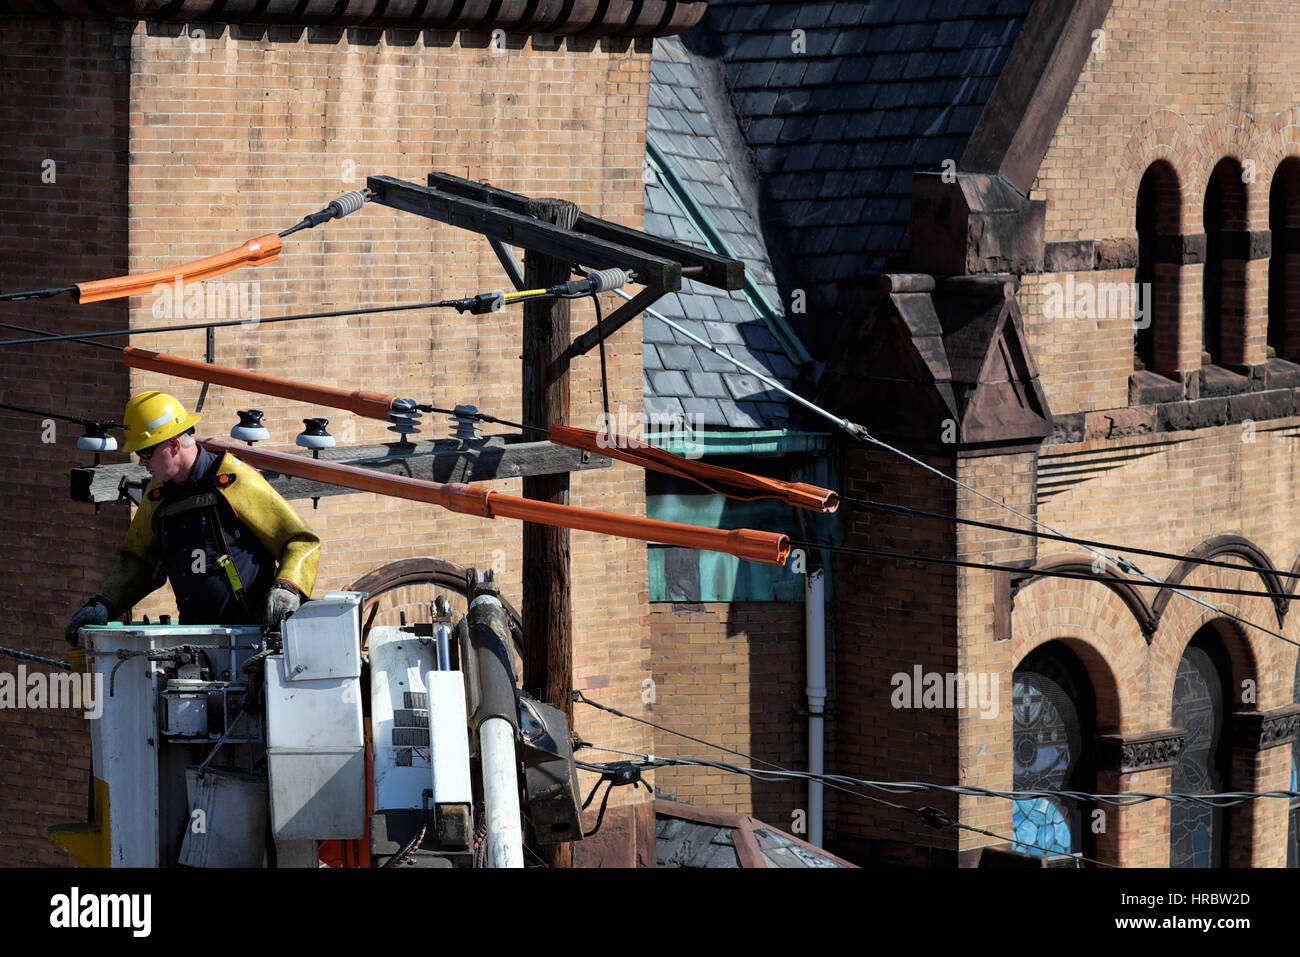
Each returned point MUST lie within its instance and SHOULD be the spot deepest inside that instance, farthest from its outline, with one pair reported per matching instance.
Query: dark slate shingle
(912, 75)
(682, 375)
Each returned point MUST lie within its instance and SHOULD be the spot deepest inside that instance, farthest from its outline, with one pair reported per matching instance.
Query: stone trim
(1261, 730)
(1140, 752)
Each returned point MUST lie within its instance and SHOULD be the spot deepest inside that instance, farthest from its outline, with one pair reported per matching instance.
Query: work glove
(93, 612)
(281, 601)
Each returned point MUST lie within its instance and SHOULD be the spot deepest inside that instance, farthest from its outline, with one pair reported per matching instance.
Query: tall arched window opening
(1284, 263)
(1223, 286)
(1198, 835)
(1053, 718)
(1159, 205)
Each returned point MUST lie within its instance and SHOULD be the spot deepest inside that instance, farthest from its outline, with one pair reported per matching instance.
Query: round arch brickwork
(1254, 654)
(1163, 135)
(1229, 134)
(1094, 623)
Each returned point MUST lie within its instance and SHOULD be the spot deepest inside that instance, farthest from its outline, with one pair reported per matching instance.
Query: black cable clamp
(484, 302)
(618, 774)
(933, 817)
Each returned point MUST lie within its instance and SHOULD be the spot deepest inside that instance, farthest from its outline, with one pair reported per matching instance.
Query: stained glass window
(1197, 834)
(1052, 711)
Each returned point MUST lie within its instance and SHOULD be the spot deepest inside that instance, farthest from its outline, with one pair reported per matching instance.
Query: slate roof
(882, 89)
(682, 376)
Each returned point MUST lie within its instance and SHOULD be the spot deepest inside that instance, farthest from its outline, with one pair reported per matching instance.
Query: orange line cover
(756, 546)
(372, 405)
(255, 252)
(710, 476)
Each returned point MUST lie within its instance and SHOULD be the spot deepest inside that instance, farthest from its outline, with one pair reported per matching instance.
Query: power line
(1123, 563)
(105, 423)
(931, 816)
(1048, 573)
(217, 324)
(28, 656)
(580, 697)
(42, 334)
(1033, 533)
(1223, 799)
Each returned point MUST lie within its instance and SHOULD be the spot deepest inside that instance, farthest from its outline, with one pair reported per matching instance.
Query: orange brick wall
(1244, 485)
(1189, 83)
(891, 616)
(228, 139)
(731, 674)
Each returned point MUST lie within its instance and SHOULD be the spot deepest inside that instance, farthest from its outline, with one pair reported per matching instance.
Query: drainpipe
(815, 624)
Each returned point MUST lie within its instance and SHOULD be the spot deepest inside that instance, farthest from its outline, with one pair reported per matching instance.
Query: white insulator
(250, 427)
(314, 435)
(258, 434)
(606, 279)
(97, 443)
(347, 203)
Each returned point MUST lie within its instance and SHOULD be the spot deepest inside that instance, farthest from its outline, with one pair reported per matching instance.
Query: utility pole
(548, 608)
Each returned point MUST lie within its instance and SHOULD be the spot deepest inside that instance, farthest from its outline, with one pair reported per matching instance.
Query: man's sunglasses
(147, 454)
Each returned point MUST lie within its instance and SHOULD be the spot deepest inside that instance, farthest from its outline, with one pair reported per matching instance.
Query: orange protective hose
(768, 547)
(376, 405)
(372, 405)
(255, 252)
(648, 457)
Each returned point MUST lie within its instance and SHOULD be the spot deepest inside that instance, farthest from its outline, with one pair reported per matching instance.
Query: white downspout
(815, 625)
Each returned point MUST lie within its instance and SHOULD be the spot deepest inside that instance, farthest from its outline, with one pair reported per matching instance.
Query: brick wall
(891, 616)
(732, 674)
(223, 139)
(62, 86)
(1239, 481)
(1190, 84)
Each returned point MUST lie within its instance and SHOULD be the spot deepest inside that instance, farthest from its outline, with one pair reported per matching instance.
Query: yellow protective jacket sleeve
(139, 569)
(277, 526)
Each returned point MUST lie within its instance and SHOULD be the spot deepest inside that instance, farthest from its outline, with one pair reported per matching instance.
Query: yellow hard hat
(153, 417)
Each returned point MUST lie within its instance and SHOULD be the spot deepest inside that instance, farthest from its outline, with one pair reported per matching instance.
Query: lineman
(234, 550)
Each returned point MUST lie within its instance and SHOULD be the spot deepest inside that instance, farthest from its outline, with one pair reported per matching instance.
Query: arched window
(1198, 835)
(1053, 718)
(1223, 287)
(1283, 264)
(1159, 207)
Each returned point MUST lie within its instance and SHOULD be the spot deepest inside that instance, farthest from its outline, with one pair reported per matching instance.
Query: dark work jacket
(204, 596)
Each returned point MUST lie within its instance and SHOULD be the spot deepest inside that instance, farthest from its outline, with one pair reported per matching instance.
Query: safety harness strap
(210, 500)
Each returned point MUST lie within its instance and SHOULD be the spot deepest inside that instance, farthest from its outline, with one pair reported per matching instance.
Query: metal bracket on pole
(616, 320)
(519, 229)
(514, 269)
(709, 268)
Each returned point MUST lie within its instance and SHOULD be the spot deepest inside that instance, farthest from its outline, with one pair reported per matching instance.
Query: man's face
(164, 464)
